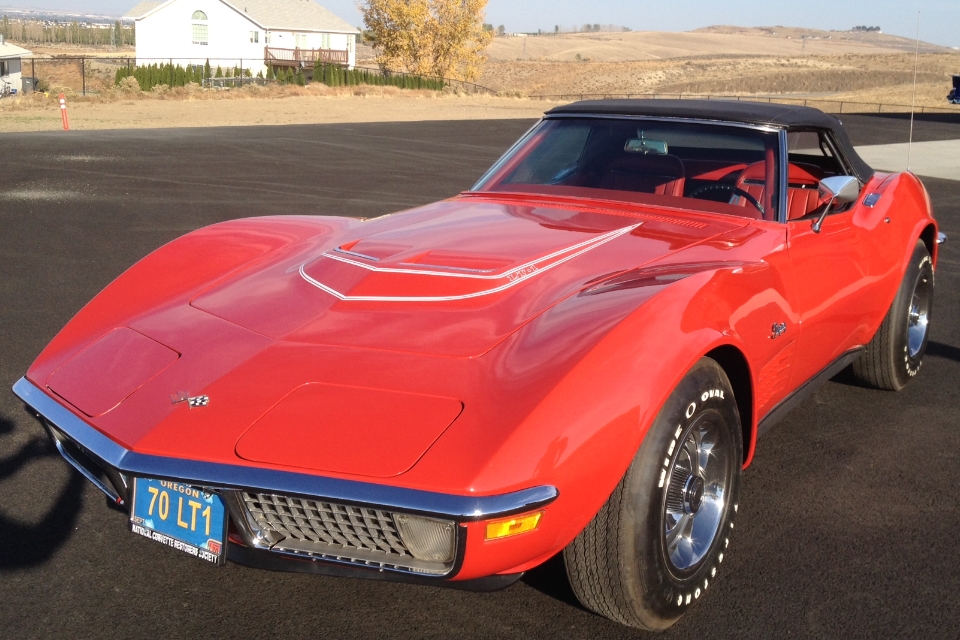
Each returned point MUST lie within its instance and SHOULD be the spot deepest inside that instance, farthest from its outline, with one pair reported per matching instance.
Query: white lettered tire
(658, 543)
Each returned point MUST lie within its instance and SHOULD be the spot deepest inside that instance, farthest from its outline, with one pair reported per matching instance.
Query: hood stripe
(514, 276)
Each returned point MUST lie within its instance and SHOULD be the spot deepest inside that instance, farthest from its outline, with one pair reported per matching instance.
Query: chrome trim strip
(514, 276)
(784, 178)
(76, 464)
(225, 476)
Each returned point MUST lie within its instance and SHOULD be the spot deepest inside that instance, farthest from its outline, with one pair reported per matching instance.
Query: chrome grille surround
(321, 529)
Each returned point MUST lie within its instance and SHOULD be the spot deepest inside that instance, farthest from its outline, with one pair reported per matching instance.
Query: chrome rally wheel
(697, 489)
(918, 319)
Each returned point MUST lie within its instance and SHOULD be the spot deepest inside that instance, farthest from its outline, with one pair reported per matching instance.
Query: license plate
(180, 516)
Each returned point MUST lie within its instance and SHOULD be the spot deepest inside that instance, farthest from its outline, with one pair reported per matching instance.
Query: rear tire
(894, 355)
(656, 545)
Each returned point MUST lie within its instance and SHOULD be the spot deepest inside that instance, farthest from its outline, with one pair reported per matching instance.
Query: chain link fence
(824, 104)
(91, 75)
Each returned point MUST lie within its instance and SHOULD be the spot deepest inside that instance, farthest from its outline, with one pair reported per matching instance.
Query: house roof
(143, 8)
(8, 50)
(293, 15)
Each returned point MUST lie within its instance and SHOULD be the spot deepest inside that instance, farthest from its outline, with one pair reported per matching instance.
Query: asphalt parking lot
(848, 516)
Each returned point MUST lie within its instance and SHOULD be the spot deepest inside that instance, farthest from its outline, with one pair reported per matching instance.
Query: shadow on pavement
(940, 350)
(27, 545)
(550, 579)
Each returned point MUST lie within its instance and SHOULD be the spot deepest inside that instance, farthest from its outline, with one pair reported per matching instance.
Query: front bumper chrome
(110, 467)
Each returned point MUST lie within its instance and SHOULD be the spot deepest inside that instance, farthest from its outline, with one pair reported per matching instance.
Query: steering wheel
(735, 191)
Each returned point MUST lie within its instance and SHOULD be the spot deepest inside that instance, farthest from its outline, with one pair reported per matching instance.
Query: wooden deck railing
(309, 57)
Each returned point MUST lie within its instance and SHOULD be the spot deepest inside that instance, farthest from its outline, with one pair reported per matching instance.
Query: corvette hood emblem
(192, 401)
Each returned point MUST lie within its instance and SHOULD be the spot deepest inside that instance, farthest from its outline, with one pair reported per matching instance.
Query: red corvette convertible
(577, 355)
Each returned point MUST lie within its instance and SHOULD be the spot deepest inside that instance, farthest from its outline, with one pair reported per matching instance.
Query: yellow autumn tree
(429, 37)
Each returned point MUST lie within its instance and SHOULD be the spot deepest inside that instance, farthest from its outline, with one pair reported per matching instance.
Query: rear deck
(304, 58)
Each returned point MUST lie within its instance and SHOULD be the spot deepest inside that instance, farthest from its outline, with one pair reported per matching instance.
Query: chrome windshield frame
(783, 178)
(506, 154)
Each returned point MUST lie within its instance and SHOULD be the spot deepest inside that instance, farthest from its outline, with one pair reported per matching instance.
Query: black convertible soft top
(780, 115)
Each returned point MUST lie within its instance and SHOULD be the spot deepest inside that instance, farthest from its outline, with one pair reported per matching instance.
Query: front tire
(657, 543)
(894, 355)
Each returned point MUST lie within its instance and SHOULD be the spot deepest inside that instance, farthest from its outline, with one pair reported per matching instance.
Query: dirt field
(290, 105)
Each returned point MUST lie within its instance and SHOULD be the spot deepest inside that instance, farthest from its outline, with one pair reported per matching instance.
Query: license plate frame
(183, 506)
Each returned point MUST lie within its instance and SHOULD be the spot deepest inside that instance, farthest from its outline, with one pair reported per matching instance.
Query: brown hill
(711, 41)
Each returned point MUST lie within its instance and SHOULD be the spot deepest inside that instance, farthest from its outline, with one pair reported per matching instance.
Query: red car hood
(453, 278)
(348, 351)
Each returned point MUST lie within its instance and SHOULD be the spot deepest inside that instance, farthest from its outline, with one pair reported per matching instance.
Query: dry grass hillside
(881, 75)
(850, 66)
(711, 41)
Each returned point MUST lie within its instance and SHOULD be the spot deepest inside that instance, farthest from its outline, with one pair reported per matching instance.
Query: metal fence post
(83, 74)
(171, 73)
(241, 72)
(33, 73)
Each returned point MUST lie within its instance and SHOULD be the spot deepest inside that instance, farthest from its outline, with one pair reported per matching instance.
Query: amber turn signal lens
(513, 526)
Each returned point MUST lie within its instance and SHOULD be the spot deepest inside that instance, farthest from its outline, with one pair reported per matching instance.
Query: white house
(10, 71)
(241, 33)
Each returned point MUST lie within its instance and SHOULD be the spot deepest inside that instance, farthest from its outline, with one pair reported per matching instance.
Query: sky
(939, 21)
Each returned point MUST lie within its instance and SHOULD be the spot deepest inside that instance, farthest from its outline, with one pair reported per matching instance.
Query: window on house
(325, 41)
(301, 41)
(199, 28)
(254, 36)
(4, 71)
(200, 34)
(266, 38)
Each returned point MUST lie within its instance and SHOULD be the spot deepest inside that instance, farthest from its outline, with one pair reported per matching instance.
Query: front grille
(332, 531)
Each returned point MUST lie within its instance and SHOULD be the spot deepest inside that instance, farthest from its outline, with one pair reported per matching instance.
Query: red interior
(803, 195)
(647, 173)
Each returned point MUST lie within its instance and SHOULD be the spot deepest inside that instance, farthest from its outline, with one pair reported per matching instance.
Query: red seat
(803, 193)
(645, 173)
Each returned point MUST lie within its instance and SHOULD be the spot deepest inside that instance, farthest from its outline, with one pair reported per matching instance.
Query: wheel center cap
(693, 494)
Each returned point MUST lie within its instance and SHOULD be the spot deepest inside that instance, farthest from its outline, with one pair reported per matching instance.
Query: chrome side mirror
(842, 190)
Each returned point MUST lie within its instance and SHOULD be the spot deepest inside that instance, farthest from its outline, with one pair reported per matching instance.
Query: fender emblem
(192, 401)
(777, 330)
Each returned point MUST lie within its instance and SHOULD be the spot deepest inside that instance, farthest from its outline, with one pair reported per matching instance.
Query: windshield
(708, 167)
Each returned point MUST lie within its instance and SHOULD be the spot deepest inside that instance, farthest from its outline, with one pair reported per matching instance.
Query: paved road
(849, 514)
